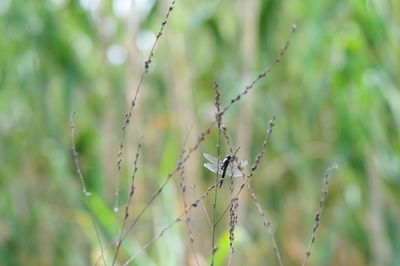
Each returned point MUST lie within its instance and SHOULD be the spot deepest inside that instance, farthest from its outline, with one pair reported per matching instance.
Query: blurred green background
(335, 96)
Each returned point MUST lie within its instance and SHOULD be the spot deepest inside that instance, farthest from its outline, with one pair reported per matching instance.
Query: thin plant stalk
(194, 204)
(130, 197)
(86, 193)
(128, 115)
(317, 217)
(185, 204)
(218, 117)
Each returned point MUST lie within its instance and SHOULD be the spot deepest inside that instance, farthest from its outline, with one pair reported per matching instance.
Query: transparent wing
(233, 169)
(213, 168)
(212, 159)
(230, 172)
(241, 163)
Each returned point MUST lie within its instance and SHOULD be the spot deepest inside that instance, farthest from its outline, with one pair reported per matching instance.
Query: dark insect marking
(224, 167)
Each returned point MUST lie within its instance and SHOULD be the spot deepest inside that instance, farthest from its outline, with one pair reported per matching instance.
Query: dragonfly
(224, 167)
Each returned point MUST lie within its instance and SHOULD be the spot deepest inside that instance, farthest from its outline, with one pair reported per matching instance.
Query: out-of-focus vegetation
(335, 96)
